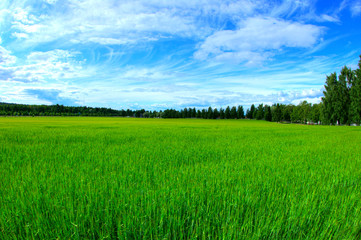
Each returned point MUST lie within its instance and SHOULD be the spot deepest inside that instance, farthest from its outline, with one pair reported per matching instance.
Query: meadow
(125, 178)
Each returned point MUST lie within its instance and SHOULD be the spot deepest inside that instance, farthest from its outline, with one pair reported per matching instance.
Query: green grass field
(121, 178)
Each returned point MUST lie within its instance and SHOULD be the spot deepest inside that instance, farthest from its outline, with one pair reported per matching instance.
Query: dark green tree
(305, 111)
(240, 112)
(194, 113)
(329, 99)
(287, 111)
(210, 113)
(227, 113)
(277, 114)
(221, 113)
(251, 111)
(233, 113)
(215, 113)
(336, 100)
(185, 113)
(199, 114)
(355, 95)
(316, 112)
(260, 112)
(267, 113)
(296, 114)
(204, 114)
(343, 106)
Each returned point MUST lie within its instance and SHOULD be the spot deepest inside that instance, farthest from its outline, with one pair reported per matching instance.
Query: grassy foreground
(117, 178)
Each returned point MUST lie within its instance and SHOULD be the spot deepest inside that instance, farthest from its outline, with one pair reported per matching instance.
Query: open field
(95, 178)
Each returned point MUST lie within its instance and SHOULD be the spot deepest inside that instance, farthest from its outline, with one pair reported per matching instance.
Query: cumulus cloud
(295, 97)
(256, 38)
(40, 66)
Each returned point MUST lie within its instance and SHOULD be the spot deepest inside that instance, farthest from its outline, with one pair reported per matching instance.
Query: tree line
(10, 109)
(277, 112)
(301, 113)
(341, 104)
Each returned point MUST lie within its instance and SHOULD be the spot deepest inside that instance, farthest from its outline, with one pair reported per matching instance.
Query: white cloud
(20, 35)
(106, 22)
(328, 18)
(141, 74)
(23, 16)
(109, 41)
(6, 58)
(50, 1)
(256, 37)
(3, 13)
(356, 8)
(289, 7)
(41, 66)
(123, 22)
(51, 56)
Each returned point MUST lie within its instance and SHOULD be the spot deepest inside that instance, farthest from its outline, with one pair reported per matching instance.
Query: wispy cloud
(356, 8)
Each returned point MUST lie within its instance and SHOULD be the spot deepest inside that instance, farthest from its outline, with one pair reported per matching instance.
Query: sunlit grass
(94, 178)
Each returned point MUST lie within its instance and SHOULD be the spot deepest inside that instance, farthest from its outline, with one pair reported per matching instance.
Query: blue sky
(158, 54)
